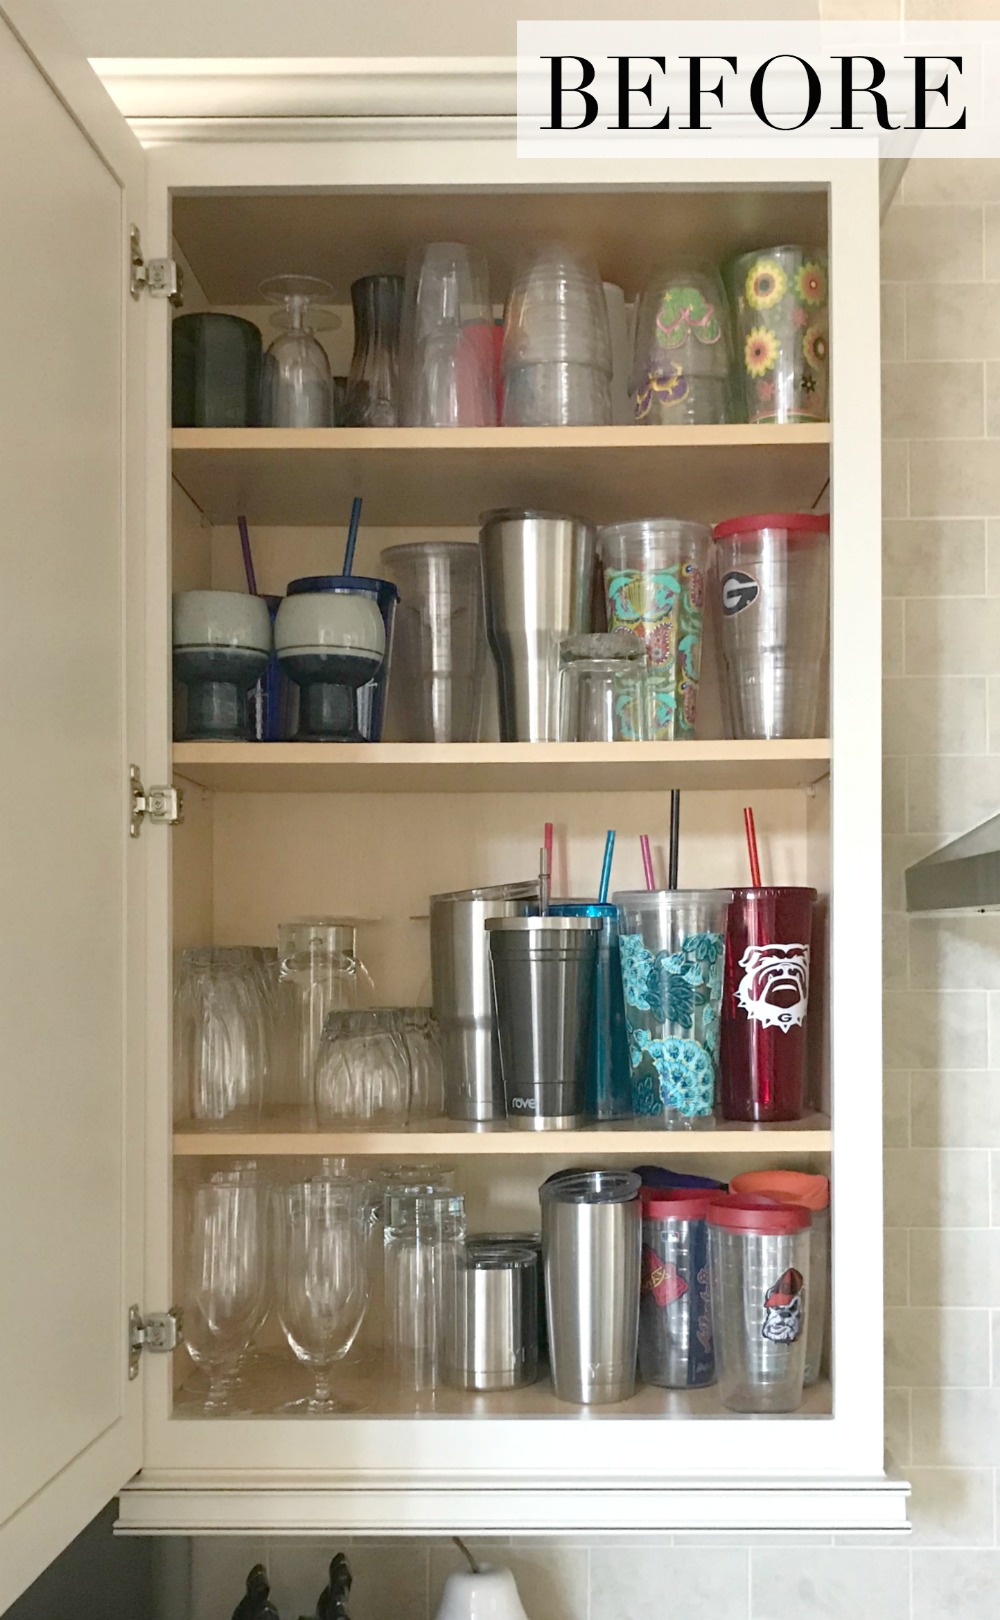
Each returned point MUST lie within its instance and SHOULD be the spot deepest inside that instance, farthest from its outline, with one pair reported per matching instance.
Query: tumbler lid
(795, 522)
(583, 908)
(526, 890)
(343, 584)
(590, 1187)
(765, 891)
(481, 1256)
(787, 1186)
(677, 1204)
(745, 1212)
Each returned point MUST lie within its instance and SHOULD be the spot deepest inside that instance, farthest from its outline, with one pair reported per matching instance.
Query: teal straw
(609, 850)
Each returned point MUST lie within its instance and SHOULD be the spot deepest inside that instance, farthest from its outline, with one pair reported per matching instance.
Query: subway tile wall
(941, 402)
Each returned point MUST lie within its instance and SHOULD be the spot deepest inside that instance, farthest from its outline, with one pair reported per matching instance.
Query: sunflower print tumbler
(780, 300)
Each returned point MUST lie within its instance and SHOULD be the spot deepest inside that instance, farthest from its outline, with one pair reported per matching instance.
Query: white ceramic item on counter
(481, 1594)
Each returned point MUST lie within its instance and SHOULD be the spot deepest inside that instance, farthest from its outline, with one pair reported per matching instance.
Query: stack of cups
(448, 357)
(759, 1260)
(556, 358)
(811, 1192)
(591, 1243)
(424, 1249)
(675, 1309)
(439, 647)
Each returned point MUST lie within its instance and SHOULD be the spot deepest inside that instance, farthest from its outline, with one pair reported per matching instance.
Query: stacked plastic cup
(681, 367)
(672, 944)
(556, 357)
(654, 582)
(447, 357)
(780, 297)
(675, 1309)
(759, 1255)
(813, 1194)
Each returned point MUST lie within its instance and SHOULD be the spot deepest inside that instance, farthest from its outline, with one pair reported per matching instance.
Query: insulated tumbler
(495, 1325)
(544, 970)
(591, 1243)
(771, 592)
(759, 1264)
(765, 1000)
(675, 1310)
(609, 1082)
(813, 1193)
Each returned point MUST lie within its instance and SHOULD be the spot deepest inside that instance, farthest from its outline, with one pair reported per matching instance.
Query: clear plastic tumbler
(813, 1193)
(759, 1255)
(675, 1308)
(672, 944)
(424, 1247)
(439, 645)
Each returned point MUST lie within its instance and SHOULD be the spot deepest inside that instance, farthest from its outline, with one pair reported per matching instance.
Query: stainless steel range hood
(965, 875)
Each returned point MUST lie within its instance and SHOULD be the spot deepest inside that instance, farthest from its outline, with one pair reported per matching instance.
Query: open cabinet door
(71, 880)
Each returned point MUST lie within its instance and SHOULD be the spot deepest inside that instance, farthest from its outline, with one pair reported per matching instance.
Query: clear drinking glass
(225, 1279)
(362, 1074)
(220, 1038)
(424, 1246)
(423, 1048)
(602, 689)
(448, 353)
(321, 1278)
(296, 382)
(319, 973)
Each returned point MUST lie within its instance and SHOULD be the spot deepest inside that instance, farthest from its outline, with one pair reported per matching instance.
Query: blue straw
(352, 534)
(609, 850)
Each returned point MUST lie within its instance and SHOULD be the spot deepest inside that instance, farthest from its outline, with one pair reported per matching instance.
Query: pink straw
(548, 839)
(748, 822)
(647, 861)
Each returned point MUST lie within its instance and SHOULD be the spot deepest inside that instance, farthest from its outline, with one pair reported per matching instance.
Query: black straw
(675, 836)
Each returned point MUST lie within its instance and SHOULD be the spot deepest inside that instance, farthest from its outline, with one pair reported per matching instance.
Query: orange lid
(788, 1186)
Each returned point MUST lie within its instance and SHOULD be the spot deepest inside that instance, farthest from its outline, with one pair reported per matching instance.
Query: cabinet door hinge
(161, 278)
(162, 1331)
(164, 805)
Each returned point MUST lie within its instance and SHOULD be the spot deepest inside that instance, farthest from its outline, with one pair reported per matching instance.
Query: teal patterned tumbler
(672, 944)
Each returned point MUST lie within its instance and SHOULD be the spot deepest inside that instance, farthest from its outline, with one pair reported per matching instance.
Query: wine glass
(321, 1278)
(225, 1281)
(296, 381)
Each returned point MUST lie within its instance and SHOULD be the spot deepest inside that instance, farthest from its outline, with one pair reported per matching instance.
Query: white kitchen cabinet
(94, 546)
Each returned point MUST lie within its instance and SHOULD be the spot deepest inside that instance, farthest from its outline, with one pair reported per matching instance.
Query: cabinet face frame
(554, 1463)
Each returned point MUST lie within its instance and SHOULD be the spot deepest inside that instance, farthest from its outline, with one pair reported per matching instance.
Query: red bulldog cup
(765, 1000)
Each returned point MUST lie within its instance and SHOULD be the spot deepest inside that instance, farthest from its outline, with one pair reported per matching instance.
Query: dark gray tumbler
(543, 985)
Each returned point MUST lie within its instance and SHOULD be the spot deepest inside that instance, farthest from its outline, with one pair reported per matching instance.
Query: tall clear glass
(321, 1278)
(319, 973)
(424, 1246)
(220, 1038)
(225, 1278)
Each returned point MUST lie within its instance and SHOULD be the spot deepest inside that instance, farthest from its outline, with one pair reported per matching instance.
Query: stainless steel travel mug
(538, 571)
(463, 994)
(543, 985)
(495, 1325)
(591, 1242)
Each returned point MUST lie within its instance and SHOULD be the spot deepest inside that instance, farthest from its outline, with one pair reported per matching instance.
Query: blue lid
(583, 908)
(313, 583)
(655, 1175)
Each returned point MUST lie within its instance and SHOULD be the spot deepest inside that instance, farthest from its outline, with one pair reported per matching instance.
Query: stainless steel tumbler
(538, 572)
(495, 1326)
(544, 972)
(463, 995)
(759, 1264)
(591, 1242)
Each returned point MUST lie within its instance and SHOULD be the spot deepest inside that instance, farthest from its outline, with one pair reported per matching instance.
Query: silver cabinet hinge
(161, 278)
(162, 1331)
(164, 805)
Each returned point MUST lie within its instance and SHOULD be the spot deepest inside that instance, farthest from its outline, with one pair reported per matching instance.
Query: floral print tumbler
(672, 945)
(779, 297)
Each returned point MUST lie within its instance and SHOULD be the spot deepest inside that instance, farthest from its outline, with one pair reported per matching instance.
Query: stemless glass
(225, 1279)
(321, 1278)
(602, 688)
(423, 1048)
(220, 1038)
(362, 1074)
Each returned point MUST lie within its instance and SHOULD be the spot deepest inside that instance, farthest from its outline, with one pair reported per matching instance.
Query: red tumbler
(765, 999)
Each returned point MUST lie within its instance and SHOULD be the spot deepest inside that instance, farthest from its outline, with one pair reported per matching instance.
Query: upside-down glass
(439, 645)
(781, 327)
(220, 1038)
(602, 689)
(672, 953)
(447, 350)
(683, 349)
(321, 1278)
(296, 383)
(225, 1277)
(362, 1074)
(319, 973)
(423, 1048)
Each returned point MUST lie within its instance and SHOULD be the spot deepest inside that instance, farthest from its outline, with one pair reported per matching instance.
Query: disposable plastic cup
(759, 1260)
(771, 589)
(556, 311)
(654, 582)
(765, 1003)
(672, 945)
(439, 646)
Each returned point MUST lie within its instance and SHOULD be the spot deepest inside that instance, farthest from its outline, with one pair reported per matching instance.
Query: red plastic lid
(678, 1203)
(801, 522)
(745, 1212)
(787, 1186)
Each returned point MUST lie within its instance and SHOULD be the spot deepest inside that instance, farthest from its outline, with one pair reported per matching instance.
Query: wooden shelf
(284, 1135)
(500, 767)
(448, 476)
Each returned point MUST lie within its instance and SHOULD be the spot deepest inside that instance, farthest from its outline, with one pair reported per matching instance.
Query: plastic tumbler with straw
(672, 945)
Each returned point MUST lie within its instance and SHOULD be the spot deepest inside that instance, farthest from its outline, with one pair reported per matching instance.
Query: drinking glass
(602, 689)
(683, 349)
(296, 383)
(362, 1074)
(220, 1038)
(225, 1277)
(448, 353)
(439, 647)
(319, 973)
(423, 1048)
(371, 398)
(321, 1278)
(424, 1244)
